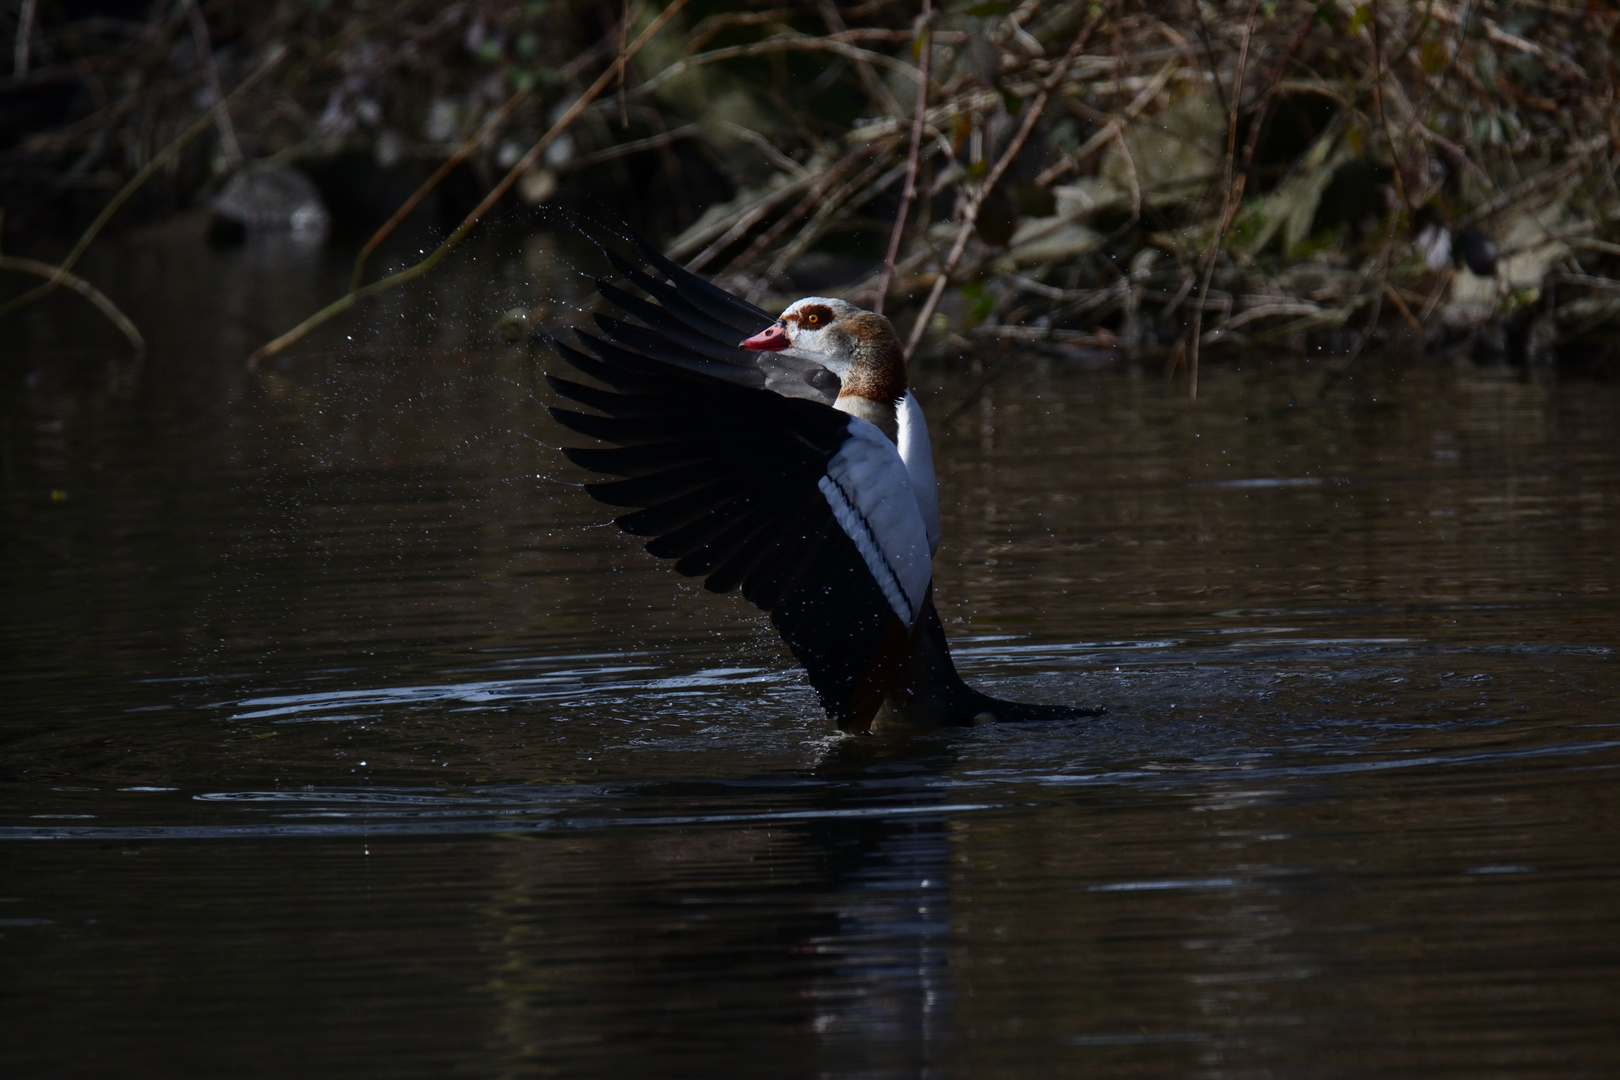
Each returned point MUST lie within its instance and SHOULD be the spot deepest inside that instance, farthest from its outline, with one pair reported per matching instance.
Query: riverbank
(1168, 182)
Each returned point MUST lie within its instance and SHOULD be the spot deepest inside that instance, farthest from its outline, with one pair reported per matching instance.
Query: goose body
(785, 457)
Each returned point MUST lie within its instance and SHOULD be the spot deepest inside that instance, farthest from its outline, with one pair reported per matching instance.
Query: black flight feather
(671, 329)
(715, 302)
(630, 461)
(696, 354)
(724, 475)
(680, 305)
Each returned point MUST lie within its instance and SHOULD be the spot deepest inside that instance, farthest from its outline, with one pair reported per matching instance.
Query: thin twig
(1400, 306)
(1113, 128)
(96, 124)
(1209, 51)
(1228, 204)
(1590, 281)
(1263, 102)
(84, 289)
(1257, 123)
(1339, 370)
(205, 59)
(909, 192)
(828, 202)
(489, 127)
(1451, 61)
(862, 292)
(1443, 279)
(848, 197)
(766, 147)
(430, 183)
(25, 31)
(416, 270)
(1552, 178)
(624, 38)
(970, 214)
(796, 43)
(712, 25)
(1378, 101)
(873, 85)
(721, 234)
(634, 146)
(812, 198)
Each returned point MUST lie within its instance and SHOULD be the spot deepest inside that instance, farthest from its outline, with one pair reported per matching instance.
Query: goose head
(858, 346)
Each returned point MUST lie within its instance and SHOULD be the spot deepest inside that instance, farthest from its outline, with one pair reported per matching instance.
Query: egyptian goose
(785, 457)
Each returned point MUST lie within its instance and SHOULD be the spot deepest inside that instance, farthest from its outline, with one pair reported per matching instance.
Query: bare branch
(83, 288)
(970, 215)
(411, 273)
(909, 192)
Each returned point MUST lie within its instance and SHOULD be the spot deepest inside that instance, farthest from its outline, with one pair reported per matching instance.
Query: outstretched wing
(807, 509)
(693, 324)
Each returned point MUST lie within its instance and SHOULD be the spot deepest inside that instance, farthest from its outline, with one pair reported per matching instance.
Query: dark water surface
(340, 737)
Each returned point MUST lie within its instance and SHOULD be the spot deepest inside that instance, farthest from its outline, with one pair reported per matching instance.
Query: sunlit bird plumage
(784, 457)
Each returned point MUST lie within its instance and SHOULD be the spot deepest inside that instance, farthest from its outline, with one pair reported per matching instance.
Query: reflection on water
(340, 736)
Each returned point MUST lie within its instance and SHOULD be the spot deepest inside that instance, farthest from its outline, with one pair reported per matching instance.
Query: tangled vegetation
(1165, 180)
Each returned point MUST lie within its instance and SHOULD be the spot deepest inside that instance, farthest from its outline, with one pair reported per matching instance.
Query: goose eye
(811, 319)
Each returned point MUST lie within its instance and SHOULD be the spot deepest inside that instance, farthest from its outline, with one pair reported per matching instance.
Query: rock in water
(271, 199)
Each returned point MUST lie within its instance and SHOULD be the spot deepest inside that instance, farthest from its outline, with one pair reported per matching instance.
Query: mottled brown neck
(877, 370)
(881, 413)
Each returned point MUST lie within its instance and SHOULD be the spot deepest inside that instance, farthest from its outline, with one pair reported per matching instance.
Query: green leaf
(980, 301)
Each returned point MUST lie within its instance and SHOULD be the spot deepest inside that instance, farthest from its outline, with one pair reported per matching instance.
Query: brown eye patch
(816, 315)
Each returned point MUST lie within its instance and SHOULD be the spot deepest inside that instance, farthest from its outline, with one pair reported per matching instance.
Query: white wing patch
(870, 493)
(918, 455)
